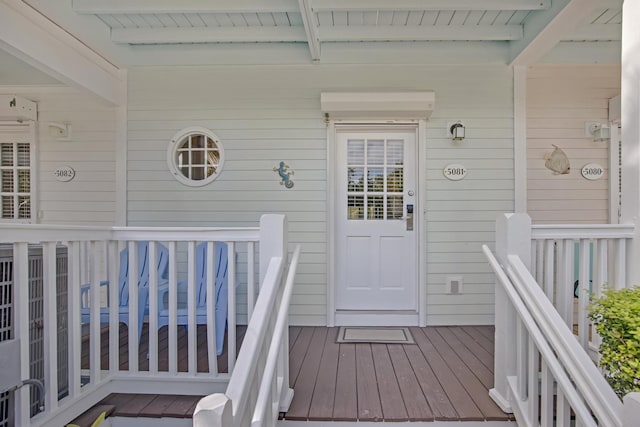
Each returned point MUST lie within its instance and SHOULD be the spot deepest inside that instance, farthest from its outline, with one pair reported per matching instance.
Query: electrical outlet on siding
(454, 285)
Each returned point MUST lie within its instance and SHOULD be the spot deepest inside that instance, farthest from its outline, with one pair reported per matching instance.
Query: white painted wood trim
(547, 28)
(35, 173)
(331, 227)
(520, 138)
(385, 5)
(381, 105)
(614, 174)
(631, 132)
(121, 153)
(95, 7)
(422, 221)
(334, 317)
(355, 318)
(310, 28)
(395, 424)
(35, 39)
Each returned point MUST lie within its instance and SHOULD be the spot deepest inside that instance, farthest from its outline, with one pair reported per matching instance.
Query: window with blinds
(15, 185)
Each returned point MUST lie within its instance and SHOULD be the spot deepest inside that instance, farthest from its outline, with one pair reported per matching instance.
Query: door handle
(409, 218)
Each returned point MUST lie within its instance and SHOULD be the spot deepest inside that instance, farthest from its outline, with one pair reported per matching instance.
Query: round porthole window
(195, 156)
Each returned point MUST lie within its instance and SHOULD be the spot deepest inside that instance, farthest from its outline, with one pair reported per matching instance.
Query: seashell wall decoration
(557, 161)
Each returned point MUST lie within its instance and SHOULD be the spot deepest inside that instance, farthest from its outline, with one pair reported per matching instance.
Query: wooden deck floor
(445, 375)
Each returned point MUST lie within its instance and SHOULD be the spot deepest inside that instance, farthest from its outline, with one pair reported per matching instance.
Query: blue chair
(123, 285)
(221, 294)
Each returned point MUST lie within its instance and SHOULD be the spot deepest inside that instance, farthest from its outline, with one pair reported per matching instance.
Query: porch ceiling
(170, 32)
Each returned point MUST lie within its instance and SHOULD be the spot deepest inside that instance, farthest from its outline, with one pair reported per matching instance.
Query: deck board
(369, 407)
(323, 399)
(457, 394)
(306, 380)
(475, 388)
(414, 400)
(444, 376)
(346, 402)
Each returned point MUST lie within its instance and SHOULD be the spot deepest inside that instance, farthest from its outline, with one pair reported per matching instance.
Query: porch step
(89, 417)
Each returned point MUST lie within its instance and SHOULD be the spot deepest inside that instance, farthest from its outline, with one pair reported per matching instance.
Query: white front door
(376, 244)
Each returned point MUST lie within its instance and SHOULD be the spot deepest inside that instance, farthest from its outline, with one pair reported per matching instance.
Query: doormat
(378, 335)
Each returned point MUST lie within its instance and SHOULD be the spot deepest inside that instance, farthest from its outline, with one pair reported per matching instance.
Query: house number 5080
(592, 171)
(454, 172)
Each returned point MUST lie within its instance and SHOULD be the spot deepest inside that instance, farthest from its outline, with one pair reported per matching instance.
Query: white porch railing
(93, 253)
(542, 373)
(573, 262)
(259, 387)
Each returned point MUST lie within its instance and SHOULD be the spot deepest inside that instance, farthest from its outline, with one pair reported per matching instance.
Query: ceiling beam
(310, 28)
(544, 29)
(388, 5)
(96, 7)
(419, 33)
(208, 35)
(36, 40)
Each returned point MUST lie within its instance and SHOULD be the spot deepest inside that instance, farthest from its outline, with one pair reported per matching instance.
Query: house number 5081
(454, 172)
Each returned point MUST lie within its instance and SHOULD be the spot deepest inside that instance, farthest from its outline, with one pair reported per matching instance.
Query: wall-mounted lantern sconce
(59, 130)
(457, 131)
(598, 131)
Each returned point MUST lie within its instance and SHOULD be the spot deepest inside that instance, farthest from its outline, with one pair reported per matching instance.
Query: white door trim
(393, 317)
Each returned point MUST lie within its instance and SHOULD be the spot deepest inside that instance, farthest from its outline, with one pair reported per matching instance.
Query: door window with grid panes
(375, 179)
(16, 162)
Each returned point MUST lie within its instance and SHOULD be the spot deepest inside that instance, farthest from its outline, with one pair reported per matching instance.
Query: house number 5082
(454, 172)
(64, 173)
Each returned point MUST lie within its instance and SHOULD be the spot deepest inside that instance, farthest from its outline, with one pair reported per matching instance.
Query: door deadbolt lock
(410, 193)
(409, 217)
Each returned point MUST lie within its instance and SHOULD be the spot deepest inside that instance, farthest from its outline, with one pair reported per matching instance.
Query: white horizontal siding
(560, 99)
(89, 199)
(267, 114)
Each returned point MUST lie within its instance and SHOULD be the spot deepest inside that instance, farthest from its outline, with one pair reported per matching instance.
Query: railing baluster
(521, 358)
(113, 298)
(94, 317)
(134, 274)
(563, 410)
(75, 328)
(540, 258)
(211, 307)
(600, 276)
(546, 397)
(583, 293)
(231, 318)
(192, 347)
(173, 314)
(21, 327)
(154, 305)
(565, 286)
(620, 265)
(50, 322)
(251, 276)
(533, 380)
(549, 270)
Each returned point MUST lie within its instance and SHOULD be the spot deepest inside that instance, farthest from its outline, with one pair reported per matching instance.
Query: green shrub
(616, 316)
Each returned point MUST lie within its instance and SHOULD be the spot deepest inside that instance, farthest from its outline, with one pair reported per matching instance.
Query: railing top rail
(253, 340)
(582, 231)
(586, 376)
(34, 233)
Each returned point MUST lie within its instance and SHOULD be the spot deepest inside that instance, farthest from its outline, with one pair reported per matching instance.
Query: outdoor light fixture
(598, 131)
(59, 130)
(457, 131)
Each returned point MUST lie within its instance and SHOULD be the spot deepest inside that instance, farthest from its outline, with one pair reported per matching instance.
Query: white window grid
(16, 178)
(195, 156)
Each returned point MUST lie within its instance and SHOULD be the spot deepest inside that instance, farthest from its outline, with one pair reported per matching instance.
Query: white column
(631, 132)
(513, 236)
(273, 240)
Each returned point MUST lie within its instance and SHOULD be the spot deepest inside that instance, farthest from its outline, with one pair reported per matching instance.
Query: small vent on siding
(454, 285)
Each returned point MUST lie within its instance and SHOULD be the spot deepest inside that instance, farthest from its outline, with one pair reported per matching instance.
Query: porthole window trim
(172, 151)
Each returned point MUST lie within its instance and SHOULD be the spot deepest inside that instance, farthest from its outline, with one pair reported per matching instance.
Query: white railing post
(513, 236)
(273, 240)
(213, 411)
(631, 410)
